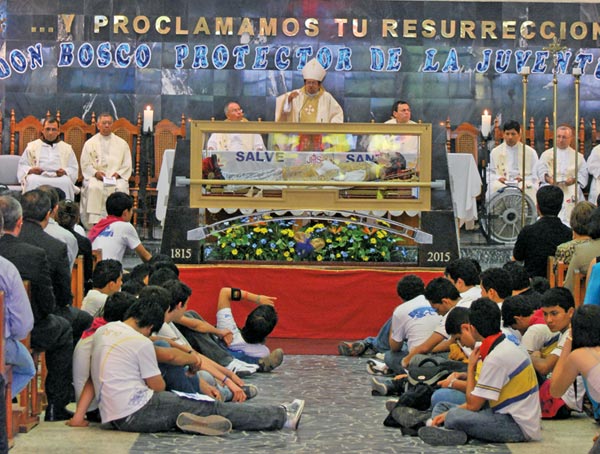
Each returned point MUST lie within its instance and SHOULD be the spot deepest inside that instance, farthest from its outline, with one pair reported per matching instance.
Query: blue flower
(263, 241)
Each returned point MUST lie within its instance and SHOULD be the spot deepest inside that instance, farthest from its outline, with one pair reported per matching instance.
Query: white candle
(486, 123)
(577, 71)
(525, 70)
(148, 124)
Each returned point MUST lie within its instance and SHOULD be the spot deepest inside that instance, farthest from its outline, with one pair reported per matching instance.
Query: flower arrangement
(291, 241)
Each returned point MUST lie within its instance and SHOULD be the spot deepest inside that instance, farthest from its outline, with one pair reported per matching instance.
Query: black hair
(146, 314)
(440, 288)
(558, 296)
(161, 275)
(157, 294)
(116, 306)
(52, 193)
(160, 258)
(133, 287)
(51, 119)
(157, 265)
(497, 279)
(549, 200)
(518, 275)
(138, 272)
(455, 318)
(259, 324)
(463, 269)
(180, 292)
(35, 204)
(514, 306)
(594, 225)
(540, 284)
(485, 316)
(511, 124)
(117, 203)
(106, 271)
(409, 287)
(398, 103)
(585, 326)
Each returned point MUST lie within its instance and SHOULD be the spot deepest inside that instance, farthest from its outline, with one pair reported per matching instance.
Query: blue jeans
(381, 343)
(238, 354)
(448, 395)
(483, 424)
(394, 359)
(226, 394)
(20, 359)
(161, 412)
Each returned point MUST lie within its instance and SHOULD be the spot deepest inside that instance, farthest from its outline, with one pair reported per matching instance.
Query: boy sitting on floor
(503, 405)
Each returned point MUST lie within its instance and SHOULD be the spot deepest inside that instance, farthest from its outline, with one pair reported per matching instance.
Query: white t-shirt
(121, 359)
(93, 302)
(507, 379)
(225, 320)
(441, 328)
(115, 238)
(540, 338)
(170, 331)
(413, 321)
(471, 295)
(82, 358)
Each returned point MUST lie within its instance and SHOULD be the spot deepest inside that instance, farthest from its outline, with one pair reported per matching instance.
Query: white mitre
(314, 71)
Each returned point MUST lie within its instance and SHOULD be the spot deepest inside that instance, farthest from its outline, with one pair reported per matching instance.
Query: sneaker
(410, 417)
(375, 367)
(351, 348)
(293, 413)
(251, 391)
(390, 404)
(379, 387)
(380, 356)
(271, 361)
(438, 436)
(241, 368)
(203, 425)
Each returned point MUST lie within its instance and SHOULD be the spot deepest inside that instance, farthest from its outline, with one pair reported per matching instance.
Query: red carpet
(313, 302)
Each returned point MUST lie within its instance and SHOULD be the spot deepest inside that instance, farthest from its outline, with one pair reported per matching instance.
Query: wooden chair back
(166, 134)
(465, 138)
(75, 132)
(579, 288)
(131, 133)
(96, 257)
(77, 282)
(25, 131)
(11, 423)
(549, 135)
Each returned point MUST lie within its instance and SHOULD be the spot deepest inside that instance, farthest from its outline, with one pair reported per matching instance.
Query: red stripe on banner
(312, 303)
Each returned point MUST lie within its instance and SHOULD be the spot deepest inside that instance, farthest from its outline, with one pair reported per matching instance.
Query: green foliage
(288, 241)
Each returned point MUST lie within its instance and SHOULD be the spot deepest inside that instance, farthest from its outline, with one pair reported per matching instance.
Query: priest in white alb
(49, 161)
(106, 168)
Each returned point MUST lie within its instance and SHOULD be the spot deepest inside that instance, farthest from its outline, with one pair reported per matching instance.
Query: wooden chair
(25, 131)
(595, 134)
(579, 288)
(529, 135)
(96, 256)
(131, 133)
(6, 371)
(465, 138)
(549, 135)
(75, 132)
(29, 398)
(77, 282)
(556, 271)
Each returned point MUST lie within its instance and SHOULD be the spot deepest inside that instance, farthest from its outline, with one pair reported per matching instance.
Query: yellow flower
(319, 258)
(338, 255)
(234, 252)
(319, 226)
(365, 258)
(328, 240)
(259, 251)
(286, 254)
(373, 241)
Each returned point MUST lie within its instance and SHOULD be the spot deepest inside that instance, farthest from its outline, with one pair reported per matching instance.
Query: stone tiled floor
(340, 416)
